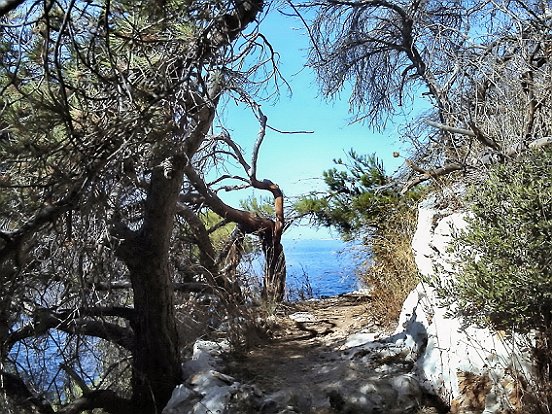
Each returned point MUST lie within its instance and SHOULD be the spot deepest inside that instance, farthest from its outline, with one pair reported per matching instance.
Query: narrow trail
(309, 364)
(306, 349)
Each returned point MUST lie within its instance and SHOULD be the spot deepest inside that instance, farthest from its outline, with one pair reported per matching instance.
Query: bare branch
(432, 174)
(47, 215)
(249, 222)
(75, 377)
(70, 322)
(451, 129)
(126, 285)
(229, 177)
(288, 132)
(237, 151)
(484, 159)
(252, 172)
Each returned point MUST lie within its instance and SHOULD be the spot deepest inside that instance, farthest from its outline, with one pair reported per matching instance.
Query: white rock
(215, 401)
(212, 388)
(204, 357)
(211, 347)
(445, 351)
(204, 380)
(194, 366)
(302, 317)
(360, 339)
(182, 399)
(387, 394)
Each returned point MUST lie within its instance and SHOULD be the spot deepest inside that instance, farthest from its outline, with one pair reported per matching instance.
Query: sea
(320, 268)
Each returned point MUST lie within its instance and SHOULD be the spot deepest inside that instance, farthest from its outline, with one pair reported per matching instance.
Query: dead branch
(451, 129)
(70, 322)
(432, 174)
(509, 153)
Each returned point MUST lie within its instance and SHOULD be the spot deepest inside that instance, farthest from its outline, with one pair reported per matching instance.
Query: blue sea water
(318, 268)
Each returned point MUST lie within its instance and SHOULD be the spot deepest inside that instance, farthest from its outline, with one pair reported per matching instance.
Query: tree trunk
(274, 269)
(275, 260)
(156, 362)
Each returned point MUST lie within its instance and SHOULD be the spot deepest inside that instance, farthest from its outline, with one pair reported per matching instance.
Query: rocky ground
(323, 356)
(313, 363)
(304, 357)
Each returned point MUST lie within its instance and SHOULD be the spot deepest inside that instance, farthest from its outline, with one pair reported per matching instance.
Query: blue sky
(296, 161)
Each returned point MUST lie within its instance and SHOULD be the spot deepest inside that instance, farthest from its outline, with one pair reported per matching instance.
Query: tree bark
(275, 261)
(275, 268)
(156, 362)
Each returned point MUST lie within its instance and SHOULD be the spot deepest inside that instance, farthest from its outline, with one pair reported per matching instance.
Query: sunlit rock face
(206, 390)
(474, 370)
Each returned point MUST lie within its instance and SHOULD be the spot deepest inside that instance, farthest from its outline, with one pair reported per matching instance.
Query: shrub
(392, 273)
(504, 257)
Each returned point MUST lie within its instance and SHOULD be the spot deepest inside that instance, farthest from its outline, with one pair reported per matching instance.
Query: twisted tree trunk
(275, 268)
(156, 361)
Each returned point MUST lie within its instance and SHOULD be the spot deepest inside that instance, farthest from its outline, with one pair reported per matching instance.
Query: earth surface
(308, 362)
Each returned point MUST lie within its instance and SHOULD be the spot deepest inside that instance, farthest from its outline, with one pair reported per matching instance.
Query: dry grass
(393, 273)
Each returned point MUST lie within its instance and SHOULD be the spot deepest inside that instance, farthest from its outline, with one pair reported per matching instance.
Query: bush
(504, 257)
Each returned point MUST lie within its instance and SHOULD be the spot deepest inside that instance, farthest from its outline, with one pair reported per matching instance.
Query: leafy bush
(504, 257)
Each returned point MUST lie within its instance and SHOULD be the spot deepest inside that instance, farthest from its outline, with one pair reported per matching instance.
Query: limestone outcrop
(474, 370)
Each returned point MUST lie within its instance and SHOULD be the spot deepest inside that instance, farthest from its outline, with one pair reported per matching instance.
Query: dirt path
(307, 358)
(311, 367)
(310, 336)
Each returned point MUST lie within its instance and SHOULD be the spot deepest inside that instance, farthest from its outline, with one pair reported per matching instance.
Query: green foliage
(362, 202)
(219, 229)
(360, 195)
(263, 206)
(504, 257)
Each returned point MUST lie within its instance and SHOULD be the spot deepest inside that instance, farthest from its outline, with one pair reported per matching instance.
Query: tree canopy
(108, 155)
(483, 67)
